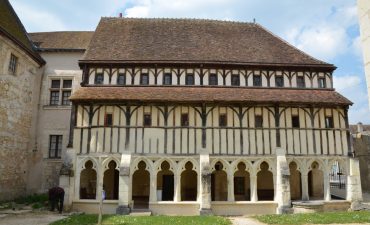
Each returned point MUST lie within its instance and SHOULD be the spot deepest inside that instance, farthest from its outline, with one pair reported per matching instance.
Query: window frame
(214, 81)
(295, 121)
(118, 79)
(235, 80)
(301, 84)
(96, 79)
(222, 120)
(168, 76)
(61, 99)
(259, 119)
(282, 81)
(13, 64)
(184, 119)
(142, 78)
(329, 122)
(257, 80)
(108, 119)
(147, 120)
(58, 146)
(321, 85)
(187, 79)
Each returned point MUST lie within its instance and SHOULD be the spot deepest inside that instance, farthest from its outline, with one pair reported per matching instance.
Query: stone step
(140, 213)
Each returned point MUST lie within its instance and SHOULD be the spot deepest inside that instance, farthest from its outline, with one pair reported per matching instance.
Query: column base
(123, 210)
(284, 210)
(205, 212)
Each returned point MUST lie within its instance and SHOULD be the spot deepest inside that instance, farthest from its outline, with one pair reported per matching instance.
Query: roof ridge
(291, 45)
(178, 19)
(67, 31)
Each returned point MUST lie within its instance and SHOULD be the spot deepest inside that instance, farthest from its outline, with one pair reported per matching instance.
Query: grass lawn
(317, 218)
(143, 220)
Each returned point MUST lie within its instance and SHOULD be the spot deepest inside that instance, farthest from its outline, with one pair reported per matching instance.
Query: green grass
(143, 220)
(35, 198)
(317, 218)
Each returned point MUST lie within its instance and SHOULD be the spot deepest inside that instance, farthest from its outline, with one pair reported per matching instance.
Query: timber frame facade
(190, 136)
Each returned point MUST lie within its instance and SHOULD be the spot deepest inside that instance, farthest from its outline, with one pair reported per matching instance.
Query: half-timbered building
(186, 116)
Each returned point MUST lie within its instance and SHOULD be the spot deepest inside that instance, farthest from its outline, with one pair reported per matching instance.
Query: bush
(35, 198)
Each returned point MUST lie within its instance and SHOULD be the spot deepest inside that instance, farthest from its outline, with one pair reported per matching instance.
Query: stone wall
(361, 144)
(18, 107)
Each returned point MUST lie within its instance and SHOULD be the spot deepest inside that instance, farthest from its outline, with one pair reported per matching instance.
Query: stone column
(327, 195)
(67, 176)
(205, 183)
(254, 196)
(282, 190)
(354, 191)
(177, 186)
(153, 187)
(304, 181)
(230, 185)
(124, 185)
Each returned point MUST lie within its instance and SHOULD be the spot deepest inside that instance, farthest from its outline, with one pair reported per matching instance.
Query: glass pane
(66, 95)
(55, 84)
(121, 79)
(145, 79)
(99, 78)
(212, 79)
(235, 81)
(279, 81)
(189, 79)
(167, 79)
(67, 83)
(54, 97)
(257, 81)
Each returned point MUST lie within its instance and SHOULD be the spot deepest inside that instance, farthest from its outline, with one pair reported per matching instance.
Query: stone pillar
(177, 186)
(282, 190)
(254, 196)
(327, 195)
(66, 178)
(354, 191)
(230, 186)
(153, 187)
(124, 185)
(205, 183)
(304, 181)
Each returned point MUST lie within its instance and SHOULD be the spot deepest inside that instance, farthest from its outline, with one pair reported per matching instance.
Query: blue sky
(328, 30)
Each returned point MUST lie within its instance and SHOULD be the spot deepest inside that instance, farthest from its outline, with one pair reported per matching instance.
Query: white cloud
(344, 83)
(137, 11)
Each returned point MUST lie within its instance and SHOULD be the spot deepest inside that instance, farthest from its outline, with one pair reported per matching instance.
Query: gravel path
(30, 218)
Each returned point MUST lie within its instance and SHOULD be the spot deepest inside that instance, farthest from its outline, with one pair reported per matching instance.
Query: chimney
(120, 15)
(360, 128)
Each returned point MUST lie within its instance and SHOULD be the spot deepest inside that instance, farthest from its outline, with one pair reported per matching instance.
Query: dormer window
(235, 80)
(257, 81)
(13, 64)
(189, 80)
(212, 79)
(99, 78)
(144, 79)
(167, 79)
(121, 79)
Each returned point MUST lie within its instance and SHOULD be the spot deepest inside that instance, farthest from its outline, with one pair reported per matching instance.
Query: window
(235, 80)
(167, 79)
(99, 78)
(239, 188)
(184, 119)
(55, 146)
(257, 81)
(189, 80)
(212, 79)
(258, 122)
(144, 79)
(295, 121)
(329, 122)
(57, 90)
(121, 79)
(300, 82)
(13, 64)
(222, 121)
(147, 120)
(108, 120)
(322, 83)
(279, 81)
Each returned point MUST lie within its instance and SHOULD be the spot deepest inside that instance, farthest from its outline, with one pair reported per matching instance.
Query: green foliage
(143, 220)
(317, 218)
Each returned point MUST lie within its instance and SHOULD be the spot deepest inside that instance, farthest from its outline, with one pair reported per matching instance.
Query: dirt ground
(30, 218)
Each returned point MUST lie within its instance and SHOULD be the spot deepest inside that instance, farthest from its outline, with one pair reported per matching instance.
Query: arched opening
(141, 186)
(165, 183)
(189, 183)
(315, 182)
(295, 182)
(242, 184)
(337, 181)
(88, 182)
(111, 182)
(219, 183)
(265, 183)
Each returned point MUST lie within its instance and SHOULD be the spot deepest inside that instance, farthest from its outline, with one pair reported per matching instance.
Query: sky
(328, 30)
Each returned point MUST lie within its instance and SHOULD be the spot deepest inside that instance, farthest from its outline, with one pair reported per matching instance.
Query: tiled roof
(12, 27)
(62, 41)
(365, 127)
(209, 94)
(191, 40)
